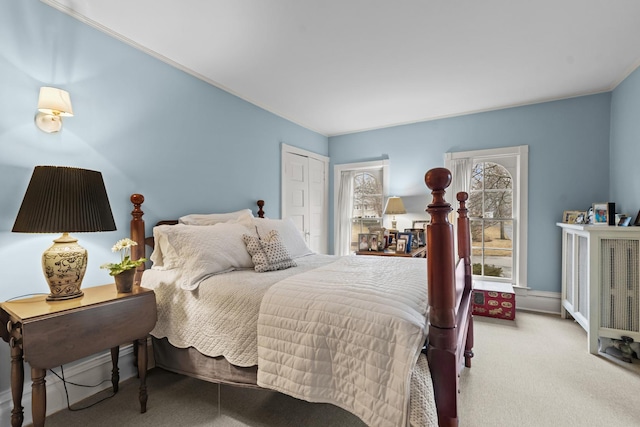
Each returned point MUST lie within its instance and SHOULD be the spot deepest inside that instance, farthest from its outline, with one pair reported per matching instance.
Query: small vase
(124, 281)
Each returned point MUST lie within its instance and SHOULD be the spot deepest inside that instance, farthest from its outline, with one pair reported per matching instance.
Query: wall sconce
(53, 104)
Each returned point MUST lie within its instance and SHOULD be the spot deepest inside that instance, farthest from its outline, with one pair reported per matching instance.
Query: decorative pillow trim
(268, 254)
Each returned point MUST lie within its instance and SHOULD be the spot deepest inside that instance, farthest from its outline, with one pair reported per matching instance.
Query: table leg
(142, 373)
(38, 396)
(115, 372)
(17, 385)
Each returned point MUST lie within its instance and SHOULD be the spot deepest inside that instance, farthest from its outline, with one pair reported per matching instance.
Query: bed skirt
(190, 362)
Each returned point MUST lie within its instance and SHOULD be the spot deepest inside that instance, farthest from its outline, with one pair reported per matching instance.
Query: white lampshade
(53, 104)
(394, 206)
(55, 101)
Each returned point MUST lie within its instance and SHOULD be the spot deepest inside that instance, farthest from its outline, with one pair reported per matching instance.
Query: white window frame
(520, 203)
(337, 172)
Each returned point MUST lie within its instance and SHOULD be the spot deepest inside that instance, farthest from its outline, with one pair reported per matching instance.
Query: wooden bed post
(260, 204)
(441, 350)
(137, 234)
(464, 253)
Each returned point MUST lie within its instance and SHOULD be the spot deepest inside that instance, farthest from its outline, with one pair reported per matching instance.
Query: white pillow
(212, 219)
(164, 256)
(202, 251)
(290, 235)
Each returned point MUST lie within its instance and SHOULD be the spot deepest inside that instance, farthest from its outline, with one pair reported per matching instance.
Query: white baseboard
(94, 370)
(539, 301)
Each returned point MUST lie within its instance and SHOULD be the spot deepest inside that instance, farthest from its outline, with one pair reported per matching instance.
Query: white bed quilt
(220, 317)
(337, 335)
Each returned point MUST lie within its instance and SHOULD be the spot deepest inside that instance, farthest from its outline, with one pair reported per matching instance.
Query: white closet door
(304, 195)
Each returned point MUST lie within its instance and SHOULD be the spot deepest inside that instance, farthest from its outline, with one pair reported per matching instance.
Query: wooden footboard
(450, 322)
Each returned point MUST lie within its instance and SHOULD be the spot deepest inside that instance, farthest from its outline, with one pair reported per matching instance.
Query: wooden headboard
(138, 232)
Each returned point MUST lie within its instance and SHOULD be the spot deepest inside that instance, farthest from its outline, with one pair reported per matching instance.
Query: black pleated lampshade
(64, 200)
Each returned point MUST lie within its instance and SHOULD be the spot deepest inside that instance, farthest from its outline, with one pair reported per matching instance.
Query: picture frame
(401, 245)
(624, 221)
(637, 221)
(393, 235)
(601, 213)
(573, 217)
(373, 242)
(382, 240)
(420, 223)
(363, 242)
(418, 239)
(408, 237)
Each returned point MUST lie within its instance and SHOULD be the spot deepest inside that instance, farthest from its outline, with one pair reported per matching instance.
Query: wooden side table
(420, 252)
(51, 333)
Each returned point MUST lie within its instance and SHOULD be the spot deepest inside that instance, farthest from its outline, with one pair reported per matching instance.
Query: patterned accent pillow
(268, 254)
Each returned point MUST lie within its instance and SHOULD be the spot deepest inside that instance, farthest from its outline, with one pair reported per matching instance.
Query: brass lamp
(394, 207)
(64, 200)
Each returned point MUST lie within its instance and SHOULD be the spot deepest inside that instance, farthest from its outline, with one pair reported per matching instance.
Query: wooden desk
(51, 333)
(420, 252)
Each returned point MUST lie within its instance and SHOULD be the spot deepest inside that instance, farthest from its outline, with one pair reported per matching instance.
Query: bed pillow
(202, 251)
(212, 219)
(269, 252)
(290, 235)
(164, 256)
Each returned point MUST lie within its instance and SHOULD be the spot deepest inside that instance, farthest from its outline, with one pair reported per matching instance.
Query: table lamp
(64, 200)
(394, 207)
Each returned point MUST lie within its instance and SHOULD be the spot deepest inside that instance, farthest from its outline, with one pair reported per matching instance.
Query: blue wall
(568, 163)
(148, 127)
(625, 145)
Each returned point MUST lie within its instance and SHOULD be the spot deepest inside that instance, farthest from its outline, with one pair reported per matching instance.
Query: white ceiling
(341, 66)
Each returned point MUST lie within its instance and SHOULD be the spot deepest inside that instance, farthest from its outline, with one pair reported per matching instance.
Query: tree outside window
(367, 203)
(491, 212)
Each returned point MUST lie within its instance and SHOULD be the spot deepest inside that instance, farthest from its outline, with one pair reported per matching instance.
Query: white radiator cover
(601, 280)
(620, 284)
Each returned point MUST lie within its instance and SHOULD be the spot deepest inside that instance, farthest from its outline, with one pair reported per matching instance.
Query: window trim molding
(337, 172)
(521, 154)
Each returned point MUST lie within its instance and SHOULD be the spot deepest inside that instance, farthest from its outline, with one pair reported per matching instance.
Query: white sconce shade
(53, 104)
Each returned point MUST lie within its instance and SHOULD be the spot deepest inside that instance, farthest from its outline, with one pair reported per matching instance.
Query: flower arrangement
(126, 263)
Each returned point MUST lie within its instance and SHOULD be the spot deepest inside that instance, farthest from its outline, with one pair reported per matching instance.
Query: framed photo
(401, 245)
(573, 217)
(418, 239)
(373, 241)
(601, 214)
(408, 237)
(382, 239)
(392, 237)
(363, 242)
(421, 223)
(624, 221)
(637, 221)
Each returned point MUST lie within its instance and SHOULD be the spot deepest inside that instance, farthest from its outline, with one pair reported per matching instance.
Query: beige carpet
(532, 372)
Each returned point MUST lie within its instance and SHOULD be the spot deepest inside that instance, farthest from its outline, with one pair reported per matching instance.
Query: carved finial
(462, 197)
(260, 206)
(137, 200)
(437, 180)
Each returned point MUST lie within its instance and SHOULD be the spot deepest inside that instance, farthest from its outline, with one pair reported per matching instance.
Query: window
(496, 181)
(359, 202)
(367, 203)
(491, 212)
